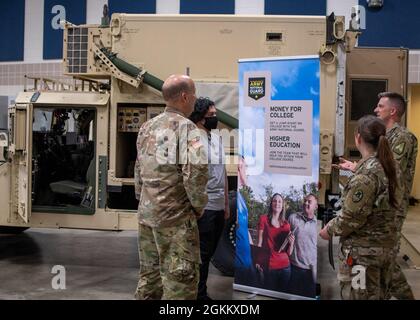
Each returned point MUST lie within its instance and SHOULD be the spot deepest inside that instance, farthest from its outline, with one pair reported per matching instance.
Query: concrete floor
(411, 228)
(104, 265)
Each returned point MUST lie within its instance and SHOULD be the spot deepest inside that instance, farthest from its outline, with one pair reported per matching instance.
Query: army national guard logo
(399, 149)
(256, 88)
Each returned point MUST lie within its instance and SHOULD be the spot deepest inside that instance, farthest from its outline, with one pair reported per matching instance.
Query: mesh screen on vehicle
(77, 50)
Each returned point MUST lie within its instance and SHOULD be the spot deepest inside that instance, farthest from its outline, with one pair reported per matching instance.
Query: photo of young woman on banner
(278, 172)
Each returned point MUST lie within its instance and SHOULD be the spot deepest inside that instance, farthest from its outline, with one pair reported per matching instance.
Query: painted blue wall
(132, 6)
(396, 24)
(75, 12)
(296, 7)
(12, 30)
(207, 6)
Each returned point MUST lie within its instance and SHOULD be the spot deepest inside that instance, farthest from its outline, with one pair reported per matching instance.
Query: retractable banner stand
(278, 171)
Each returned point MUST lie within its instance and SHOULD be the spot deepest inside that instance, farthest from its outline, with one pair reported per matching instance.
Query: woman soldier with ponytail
(366, 225)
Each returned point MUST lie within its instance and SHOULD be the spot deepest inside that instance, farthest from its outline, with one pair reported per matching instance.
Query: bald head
(179, 92)
(175, 85)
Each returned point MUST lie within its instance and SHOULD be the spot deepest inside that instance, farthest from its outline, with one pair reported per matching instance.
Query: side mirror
(3, 145)
(3, 139)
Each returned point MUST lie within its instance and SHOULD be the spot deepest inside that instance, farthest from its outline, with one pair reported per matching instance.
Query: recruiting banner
(130, 6)
(55, 11)
(278, 171)
(12, 24)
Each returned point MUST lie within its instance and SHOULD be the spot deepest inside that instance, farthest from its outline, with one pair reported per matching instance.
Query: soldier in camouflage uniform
(170, 181)
(391, 107)
(366, 225)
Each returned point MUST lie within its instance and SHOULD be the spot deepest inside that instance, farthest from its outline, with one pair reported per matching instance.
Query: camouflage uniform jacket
(367, 219)
(404, 147)
(171, 171)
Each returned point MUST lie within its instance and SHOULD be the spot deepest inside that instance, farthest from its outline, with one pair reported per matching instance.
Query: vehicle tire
(12, 230)
(224, 257)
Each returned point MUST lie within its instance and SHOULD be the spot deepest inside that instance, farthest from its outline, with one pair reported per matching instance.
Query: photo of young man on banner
(278, 172)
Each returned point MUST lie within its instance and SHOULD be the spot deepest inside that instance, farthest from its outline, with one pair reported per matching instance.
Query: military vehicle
(70, 151)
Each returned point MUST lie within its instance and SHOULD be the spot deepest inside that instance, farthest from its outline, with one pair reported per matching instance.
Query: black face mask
(210, 123)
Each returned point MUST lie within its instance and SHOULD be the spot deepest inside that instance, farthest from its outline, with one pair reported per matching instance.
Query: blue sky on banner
(292, 79)
(73, 11)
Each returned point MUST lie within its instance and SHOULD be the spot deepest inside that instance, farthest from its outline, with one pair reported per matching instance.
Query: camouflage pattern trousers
(369, 277)
(169, 261)
(400, 289)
